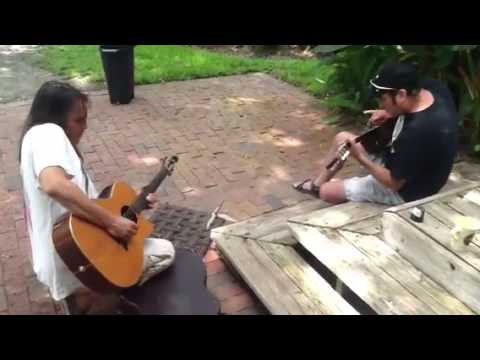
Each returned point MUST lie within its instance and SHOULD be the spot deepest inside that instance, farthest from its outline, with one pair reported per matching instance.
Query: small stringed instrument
(374, 141)
(102, 263)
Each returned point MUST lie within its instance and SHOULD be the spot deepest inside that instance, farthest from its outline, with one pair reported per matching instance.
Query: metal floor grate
(184, 227)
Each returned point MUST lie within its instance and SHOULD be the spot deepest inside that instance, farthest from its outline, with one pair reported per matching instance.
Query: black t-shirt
(425, 150)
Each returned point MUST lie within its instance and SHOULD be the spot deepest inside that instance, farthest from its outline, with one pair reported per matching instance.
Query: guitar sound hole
(130, 215)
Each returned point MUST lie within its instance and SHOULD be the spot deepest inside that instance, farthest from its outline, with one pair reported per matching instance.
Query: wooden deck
(365, 257)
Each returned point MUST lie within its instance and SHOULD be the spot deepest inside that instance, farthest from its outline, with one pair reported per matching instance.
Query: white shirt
(44, 146)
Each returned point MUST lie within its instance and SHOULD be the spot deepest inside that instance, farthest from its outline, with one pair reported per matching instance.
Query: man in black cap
(421, 153)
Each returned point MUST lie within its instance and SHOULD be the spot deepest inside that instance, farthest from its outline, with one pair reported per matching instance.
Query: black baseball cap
(394, 76)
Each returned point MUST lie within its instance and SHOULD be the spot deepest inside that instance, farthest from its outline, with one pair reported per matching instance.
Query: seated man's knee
(333, 192)
(169, 250)
(159, 255)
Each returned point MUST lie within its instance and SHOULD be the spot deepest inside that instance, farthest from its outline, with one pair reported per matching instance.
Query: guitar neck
(379, 135)
(141, 202)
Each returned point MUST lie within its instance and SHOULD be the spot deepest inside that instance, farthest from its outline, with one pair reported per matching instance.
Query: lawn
(159, 63)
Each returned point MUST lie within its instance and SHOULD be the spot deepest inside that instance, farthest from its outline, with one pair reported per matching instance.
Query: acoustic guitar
(374, 140)
(102, 263)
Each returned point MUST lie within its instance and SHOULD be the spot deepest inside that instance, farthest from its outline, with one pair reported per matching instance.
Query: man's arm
(382, 174)
(55, 183)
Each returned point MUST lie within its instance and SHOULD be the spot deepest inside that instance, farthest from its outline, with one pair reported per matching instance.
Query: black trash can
(119, 68)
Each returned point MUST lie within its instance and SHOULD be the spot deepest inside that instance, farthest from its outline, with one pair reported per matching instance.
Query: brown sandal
(314, 190)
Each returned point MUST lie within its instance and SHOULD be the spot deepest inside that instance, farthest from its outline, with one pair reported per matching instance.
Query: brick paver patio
(242, 139)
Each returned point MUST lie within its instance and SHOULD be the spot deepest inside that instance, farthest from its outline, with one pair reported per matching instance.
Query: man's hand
(378, 117)
(122, 228)
(382, 174)
(152, 200)
(357, 150)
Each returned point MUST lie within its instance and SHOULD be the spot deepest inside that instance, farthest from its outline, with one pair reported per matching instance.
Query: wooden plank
(455, 181)
(263, 225)
(379, 290)
(463, 206)
(448, 216)
(473, 196)
(308, 280)
(283, 237)
(434, 259)
(440, 211)
(440, 232)
(372, 226)
(466, 208)
(467, 170)
(416, 282)
(339, 215)
(274, 288)
(440, 195)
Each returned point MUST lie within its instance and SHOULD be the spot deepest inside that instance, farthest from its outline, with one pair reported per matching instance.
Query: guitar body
(100, 262)
(377, 139)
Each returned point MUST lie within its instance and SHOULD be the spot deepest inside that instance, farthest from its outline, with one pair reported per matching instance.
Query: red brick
(250, 311)
(236, 303)
(6, 225)
(236, 213)
(186, 174)
(92, 157)
(107, 159)
(3, 299)
(228, 290)
(13, 260)
(238, 194)
(18, 212)
(14, 283)
(174, 198)
(37, 292)
(263, 209)
(59, 310)
(27, 271)
(210, 256)
(18, 304)
(21, 229)
(8, 241)
(43, 308)
(124, 144)
(215, 267)
(219, 279)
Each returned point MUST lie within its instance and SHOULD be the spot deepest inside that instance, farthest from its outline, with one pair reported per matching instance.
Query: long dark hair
(52, 104)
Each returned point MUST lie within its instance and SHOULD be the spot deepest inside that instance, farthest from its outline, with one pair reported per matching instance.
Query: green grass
(159, 63)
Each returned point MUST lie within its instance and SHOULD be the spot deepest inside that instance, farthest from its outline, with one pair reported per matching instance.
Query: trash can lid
(116, 46)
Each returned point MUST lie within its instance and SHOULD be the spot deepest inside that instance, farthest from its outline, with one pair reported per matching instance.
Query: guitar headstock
(169, 163)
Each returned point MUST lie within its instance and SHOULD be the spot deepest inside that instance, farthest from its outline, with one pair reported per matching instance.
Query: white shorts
(368, 189)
